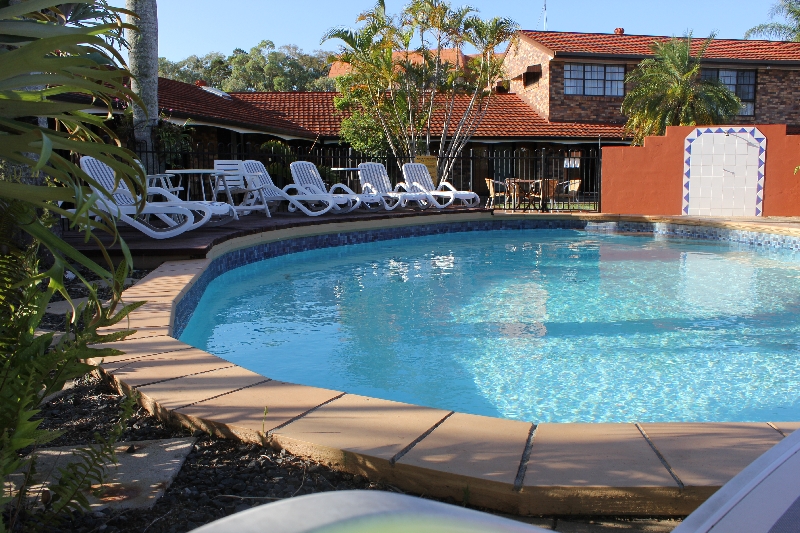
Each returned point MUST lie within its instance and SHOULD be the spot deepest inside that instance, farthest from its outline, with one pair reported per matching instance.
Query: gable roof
(571, 44)
(189, 101)
(508, 117)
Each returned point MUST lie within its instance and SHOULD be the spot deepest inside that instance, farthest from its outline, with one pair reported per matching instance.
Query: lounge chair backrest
(418, 173)
(260, 178)
(104, 175)
(234, 179)
(306, 174)
(375, 174)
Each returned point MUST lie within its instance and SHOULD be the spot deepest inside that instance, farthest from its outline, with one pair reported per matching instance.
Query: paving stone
(245, 408)
(142, 475)
(710, 454)
(471, 445)
(786, 427)
(191, 389)
(153, 368)
(607, 455)
(369, 426)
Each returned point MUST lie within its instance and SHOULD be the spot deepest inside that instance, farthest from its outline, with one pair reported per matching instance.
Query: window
(741, 82)
(594, 80)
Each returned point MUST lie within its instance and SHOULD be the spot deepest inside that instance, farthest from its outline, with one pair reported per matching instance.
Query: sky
(220, 27)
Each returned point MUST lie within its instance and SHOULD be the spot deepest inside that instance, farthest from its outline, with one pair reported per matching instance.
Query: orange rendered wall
(648, 180)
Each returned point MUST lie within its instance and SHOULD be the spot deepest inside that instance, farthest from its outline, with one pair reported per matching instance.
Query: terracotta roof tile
(188, 101)
(639, 45)
(313, 111)
(508, 117)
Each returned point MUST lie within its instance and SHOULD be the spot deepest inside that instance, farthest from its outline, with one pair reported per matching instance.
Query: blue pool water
(536, 325)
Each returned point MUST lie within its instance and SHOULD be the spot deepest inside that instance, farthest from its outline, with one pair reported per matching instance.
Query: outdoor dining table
(522, 190)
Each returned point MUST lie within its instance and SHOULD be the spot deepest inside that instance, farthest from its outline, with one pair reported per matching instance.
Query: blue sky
(213, 26)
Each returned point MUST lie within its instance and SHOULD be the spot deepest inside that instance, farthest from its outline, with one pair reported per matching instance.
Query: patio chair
(308, 180)
(418, 178)
(262, 189)
(567, 191)
(234, 182)
(497, 189)
(177, 215)
(376, 188)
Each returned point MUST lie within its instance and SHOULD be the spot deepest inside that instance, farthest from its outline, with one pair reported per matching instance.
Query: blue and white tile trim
(245, 256)
(694, 170)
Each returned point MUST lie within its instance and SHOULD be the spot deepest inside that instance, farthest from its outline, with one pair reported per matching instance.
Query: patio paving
(559, 469)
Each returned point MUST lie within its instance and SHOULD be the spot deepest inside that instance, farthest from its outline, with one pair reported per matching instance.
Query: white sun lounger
(307, 178)
(262, 189)
(178, 215)
(418, 178)
(376, 188)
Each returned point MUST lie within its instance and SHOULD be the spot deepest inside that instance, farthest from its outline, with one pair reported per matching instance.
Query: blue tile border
(185, 307)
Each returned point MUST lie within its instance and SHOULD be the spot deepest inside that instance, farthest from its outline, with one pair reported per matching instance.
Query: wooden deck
(148, 252)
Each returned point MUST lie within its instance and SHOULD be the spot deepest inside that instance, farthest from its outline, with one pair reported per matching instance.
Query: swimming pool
(538, 325)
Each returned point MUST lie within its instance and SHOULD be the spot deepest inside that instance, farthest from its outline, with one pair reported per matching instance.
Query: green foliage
(263, 68)
(89, 469)
(47, 52)
(409, 94)
(668, 90)
(789, 30)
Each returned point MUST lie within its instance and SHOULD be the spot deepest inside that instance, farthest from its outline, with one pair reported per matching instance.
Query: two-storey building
(580, 77)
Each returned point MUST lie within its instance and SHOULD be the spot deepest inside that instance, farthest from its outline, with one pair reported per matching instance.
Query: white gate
(724, 172)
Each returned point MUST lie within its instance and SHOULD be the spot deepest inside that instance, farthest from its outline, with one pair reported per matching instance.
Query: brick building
(579, 77)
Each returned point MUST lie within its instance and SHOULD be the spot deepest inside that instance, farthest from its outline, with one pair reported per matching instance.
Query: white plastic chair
(262, 189)
(177, 215)
(307, 178)
(376, 188)
(418, 178)
(234, 181)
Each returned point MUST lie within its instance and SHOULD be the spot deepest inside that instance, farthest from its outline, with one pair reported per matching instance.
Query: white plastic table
(200, 172)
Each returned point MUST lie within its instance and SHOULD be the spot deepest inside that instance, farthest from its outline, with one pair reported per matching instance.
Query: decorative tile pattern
(245, 256)
(723, 172)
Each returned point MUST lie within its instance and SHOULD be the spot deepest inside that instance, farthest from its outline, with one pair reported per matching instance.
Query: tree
(143, 60)
(669, 90)
(783, 31)
(49, 51)
(263, 68)
(413, 93)
(213, 68)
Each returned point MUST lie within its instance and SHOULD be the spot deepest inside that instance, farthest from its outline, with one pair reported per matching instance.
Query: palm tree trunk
(143, 64)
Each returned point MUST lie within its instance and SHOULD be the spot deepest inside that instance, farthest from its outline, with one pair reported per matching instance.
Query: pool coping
(665, 469)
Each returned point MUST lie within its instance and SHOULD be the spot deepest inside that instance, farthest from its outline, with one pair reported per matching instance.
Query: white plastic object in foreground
(356, 511)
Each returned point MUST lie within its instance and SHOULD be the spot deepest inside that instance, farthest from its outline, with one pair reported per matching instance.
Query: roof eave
(258, 127)
(712, 60)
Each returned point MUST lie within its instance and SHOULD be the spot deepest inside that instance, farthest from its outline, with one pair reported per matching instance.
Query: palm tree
(783, 31)
(668, 90)
(143, 64)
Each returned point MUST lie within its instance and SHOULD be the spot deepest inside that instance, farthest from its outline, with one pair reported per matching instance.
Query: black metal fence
(543, 179)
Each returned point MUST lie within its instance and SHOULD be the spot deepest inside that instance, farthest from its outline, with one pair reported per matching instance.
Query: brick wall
(519, 58)
(579, 108)
(777, 96)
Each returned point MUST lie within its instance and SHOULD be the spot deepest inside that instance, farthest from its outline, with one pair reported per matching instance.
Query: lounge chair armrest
(163, 192)
(343, 187)
(402, 186)
(446, 185)
(369, 189)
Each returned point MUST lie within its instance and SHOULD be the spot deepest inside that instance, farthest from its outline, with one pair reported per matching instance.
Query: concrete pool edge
(508, 466)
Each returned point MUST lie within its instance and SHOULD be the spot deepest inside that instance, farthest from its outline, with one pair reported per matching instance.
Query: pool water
(535, 325)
